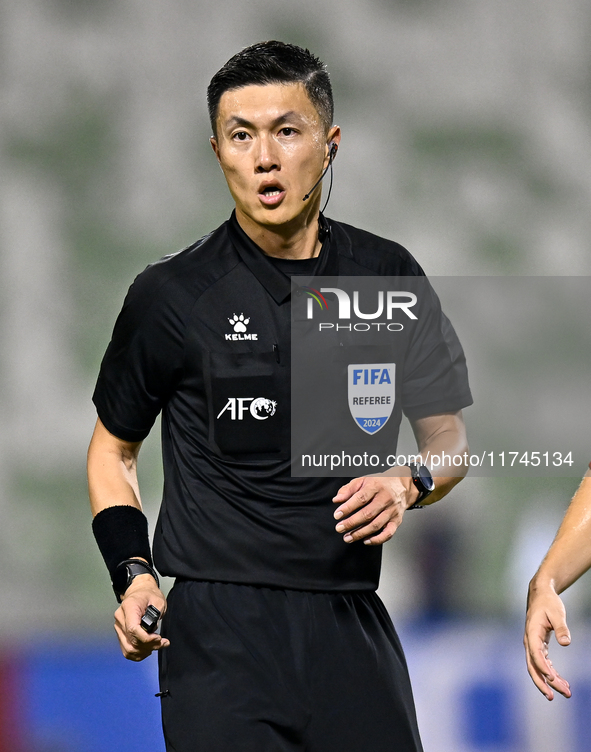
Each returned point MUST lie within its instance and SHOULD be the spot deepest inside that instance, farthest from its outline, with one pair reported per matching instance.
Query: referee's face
(272, 147)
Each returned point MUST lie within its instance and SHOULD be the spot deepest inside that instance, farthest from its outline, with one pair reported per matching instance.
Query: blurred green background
(466, 137)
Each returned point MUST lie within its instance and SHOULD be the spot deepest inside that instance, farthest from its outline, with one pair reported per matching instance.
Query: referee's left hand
(371, 508)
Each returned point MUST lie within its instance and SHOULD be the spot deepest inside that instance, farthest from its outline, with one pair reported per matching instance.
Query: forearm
(112, 471)
(570, 554)
(119, 526)
(442, 436)
(568, 558)
(371, 507)
(122, 534)
(451, 443)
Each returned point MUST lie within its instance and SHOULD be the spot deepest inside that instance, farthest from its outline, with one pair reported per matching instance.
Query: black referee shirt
(201, 333)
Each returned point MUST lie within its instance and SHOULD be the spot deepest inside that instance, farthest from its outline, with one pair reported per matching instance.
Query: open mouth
(271, 195)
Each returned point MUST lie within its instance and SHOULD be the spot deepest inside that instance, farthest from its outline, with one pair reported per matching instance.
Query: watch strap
(126, 572)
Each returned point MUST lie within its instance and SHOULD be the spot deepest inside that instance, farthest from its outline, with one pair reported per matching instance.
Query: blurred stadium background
(467, 138)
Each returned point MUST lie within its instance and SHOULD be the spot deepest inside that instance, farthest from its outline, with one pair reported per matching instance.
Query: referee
(273, 638)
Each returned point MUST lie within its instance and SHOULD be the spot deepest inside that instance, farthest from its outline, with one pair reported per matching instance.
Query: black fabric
(295, 266)
(202, 335)
(265, 670)
(121, 532)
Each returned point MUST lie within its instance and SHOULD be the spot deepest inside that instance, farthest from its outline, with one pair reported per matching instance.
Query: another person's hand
(545, 613)
(136, 644)
(371, 508)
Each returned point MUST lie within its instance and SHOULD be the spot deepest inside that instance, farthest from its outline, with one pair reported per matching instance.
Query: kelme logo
(239, 324)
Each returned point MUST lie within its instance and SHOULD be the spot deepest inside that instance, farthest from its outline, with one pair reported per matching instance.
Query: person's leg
(228, 676)
(361, 696)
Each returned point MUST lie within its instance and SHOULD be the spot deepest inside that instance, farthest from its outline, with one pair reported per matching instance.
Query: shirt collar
(273, 280)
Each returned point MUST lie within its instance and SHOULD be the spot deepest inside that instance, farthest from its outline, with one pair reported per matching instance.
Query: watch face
(426, 478)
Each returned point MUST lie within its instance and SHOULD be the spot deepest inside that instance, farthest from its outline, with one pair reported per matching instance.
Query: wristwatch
(127, 571)
(423, 481)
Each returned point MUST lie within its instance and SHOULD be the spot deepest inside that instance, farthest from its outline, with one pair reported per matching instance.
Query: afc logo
(260, 408)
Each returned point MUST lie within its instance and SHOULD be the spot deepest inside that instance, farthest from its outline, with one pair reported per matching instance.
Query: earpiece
(332, 152)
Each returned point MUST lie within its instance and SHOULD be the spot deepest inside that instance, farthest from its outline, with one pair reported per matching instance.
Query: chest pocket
(249, 405)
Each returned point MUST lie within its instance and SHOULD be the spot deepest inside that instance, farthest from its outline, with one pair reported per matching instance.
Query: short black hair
(271, 63)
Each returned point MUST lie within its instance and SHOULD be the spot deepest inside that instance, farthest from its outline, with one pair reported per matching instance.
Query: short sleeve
(435, 374)
(144, 359)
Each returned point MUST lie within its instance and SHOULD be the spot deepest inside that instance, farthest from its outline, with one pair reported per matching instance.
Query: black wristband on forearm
(121, 533)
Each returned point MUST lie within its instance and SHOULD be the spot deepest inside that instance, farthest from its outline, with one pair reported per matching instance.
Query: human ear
(215, 147)
(333, 137)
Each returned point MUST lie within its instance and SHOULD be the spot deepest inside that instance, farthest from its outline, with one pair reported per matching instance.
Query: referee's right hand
(136, 644)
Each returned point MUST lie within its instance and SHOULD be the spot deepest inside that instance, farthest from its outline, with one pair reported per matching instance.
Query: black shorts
(256, 669)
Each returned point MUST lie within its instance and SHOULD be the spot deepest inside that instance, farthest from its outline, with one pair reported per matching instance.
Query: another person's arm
(568, 558)
(112, 482)
(371, 508)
